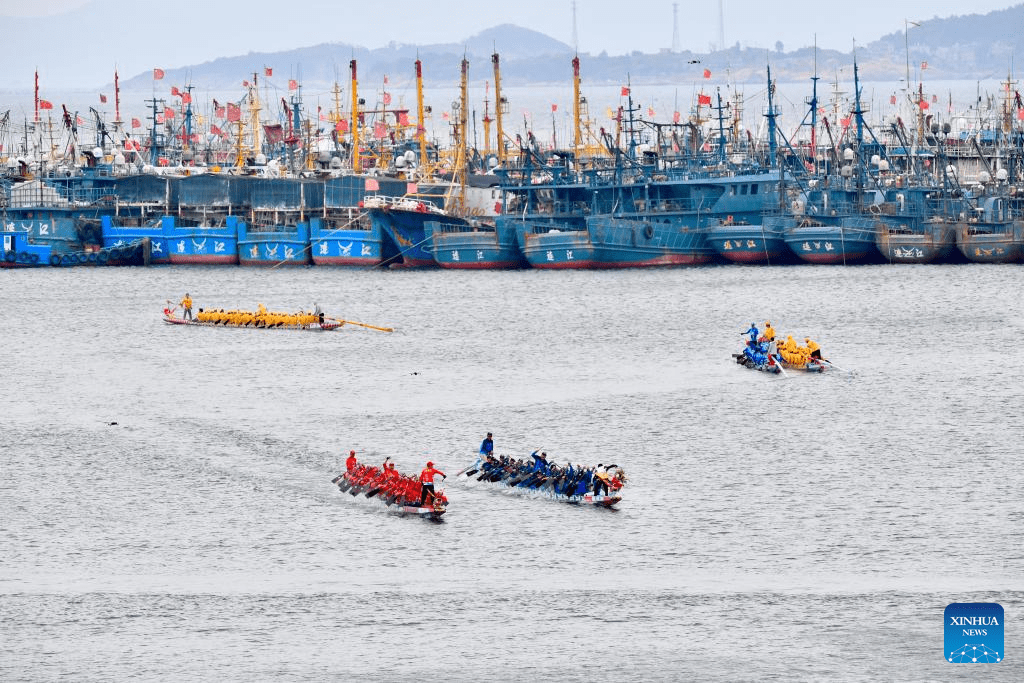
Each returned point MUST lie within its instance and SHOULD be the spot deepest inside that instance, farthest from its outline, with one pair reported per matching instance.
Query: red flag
(275, 132)
(379, 130)
(293, 84)
(444, 115)
(923, 104)
(168, 113)
(403, 118)
(845, 123)
(341, 126)
(159, 118)
(220, 112)
(703, 99)
(1020, 114)
(45, 104)
(79, 120)
(385, 79)
(103, 98)
(675, 117)
(411, 188)
(158, 74)
(624, 92)
(234, 112)
(372, 185)
(268, 71)
(387, 98)
(650, 112)
(892, 99)
(215, 130)
(924, 65)
(175, 91)
(554, 107)
(186, 98)
(245, 84)
(707, 73)
(136, 123)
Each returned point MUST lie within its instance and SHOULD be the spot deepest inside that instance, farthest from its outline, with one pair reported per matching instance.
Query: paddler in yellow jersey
(769, 331)
(813, 347)
(186, 305)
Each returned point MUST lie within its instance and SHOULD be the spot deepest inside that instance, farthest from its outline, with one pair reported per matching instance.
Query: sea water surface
(166, 510)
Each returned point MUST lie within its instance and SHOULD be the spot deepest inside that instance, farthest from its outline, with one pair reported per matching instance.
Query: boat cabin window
(753, 188)
(743, 189)
(732, 190)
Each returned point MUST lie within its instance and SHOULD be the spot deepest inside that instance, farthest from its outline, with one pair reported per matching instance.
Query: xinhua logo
(973, 633)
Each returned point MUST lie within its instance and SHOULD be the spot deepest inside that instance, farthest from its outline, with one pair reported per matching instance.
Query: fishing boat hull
(462, 246)
(750, 244)
(202, 245)
(901, 243)
(991, 243)
(816, 242)
(640, 243)
(345, 246)
(403, 222)
(117, 234)
(553, 244)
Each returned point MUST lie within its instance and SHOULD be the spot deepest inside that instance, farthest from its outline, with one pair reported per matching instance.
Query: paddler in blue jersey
(753, 332)
(487, 446)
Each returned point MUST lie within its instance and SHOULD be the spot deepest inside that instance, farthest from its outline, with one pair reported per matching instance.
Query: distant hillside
(964, 47)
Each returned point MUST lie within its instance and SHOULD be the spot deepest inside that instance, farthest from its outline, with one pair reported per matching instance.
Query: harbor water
(167, 510)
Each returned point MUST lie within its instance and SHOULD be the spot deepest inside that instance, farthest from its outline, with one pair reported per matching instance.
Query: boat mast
(499, 106)
(254, 115)
(771, 120)
(356, 166)
(461, 161)
(577, 133)
(487, 120)
(421, 128)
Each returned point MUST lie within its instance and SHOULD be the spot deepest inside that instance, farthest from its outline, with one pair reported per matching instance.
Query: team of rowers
(260, 318)
(762, 348)
(541, 474)
(393, 487)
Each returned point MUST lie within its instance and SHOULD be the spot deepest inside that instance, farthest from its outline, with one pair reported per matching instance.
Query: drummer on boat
(427, 482)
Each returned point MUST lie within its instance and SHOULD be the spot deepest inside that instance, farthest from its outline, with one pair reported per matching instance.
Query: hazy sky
(77, 43)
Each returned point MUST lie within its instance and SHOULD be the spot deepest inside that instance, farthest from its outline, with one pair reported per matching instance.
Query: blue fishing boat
(402, 220)
(343, 234)
(277, 231)
(916, 225)
(56, 220)
(474, 244)
(205, 229)
(142, 201)
(992, 234)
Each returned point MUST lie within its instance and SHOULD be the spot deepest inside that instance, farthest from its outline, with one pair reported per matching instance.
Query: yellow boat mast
(421, 127)
(487, 120)
(356, 166)
(577, 142)
(461, 158)
(499, 106)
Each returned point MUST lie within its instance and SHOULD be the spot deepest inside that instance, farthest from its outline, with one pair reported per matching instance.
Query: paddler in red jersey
(350, 463)
(427, 482)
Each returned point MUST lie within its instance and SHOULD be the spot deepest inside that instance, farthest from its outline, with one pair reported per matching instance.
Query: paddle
(825, 360)
(353, 322)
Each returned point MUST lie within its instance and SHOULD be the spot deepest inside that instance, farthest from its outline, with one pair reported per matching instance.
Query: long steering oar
(834, 365)
(353, 322)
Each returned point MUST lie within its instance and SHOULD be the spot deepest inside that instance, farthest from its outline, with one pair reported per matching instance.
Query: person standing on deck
(350, 463)
(186, 305)
(487, 446)
(427, 481)
(753, 332)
